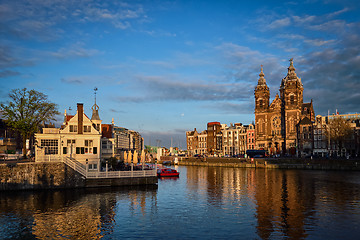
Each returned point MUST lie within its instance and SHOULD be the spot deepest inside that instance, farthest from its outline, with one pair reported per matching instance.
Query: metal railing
(122, 174)
(82, 169)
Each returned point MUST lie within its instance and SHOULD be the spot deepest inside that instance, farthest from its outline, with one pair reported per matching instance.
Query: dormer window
(87, 128)
(73, 128)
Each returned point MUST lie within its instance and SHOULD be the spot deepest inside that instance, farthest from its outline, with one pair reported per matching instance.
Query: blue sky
(165, 67)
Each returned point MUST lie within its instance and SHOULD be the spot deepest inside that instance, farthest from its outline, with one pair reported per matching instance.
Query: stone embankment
(31, 176)
(274, 163)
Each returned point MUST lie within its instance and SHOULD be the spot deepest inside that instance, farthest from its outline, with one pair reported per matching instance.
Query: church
(277, 123)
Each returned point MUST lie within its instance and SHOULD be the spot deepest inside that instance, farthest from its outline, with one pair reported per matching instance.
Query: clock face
(276, 122)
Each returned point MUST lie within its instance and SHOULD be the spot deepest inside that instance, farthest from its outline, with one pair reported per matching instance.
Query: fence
(82, 169)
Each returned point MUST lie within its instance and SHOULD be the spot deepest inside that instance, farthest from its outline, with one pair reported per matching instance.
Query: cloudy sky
(165, 67)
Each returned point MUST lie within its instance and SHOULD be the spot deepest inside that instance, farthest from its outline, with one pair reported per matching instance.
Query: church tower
(95, 118)
(291, 95)
(262, 94)
(262, 97)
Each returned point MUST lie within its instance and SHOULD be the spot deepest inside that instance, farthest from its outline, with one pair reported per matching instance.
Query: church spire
(95, 108)
(291, 75)
(262, 80)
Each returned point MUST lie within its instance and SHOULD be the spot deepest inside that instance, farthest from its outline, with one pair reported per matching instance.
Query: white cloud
(280, 23)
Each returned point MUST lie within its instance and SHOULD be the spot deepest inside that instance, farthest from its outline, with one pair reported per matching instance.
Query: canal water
(203, 203)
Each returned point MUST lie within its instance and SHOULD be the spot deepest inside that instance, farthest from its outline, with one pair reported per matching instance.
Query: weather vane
(95, 90)
(95, 107)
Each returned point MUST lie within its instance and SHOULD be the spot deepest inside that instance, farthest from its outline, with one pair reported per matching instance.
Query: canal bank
(58, 175)
(274, 163)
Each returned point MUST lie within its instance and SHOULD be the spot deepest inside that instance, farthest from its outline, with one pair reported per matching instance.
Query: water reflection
(204, 202)
(287, 203)
(74, 214)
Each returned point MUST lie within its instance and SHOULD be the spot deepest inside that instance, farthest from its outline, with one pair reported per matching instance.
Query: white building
(234, 139)
(79, 138)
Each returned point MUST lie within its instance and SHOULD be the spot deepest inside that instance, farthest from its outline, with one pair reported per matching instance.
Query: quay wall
(32, 176)
(352, 166)
(128, 181)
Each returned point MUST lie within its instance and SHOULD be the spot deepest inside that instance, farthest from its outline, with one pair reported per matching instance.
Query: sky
(166, 67)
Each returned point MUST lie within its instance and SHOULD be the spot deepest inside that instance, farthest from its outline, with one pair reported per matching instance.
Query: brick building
(276, 122)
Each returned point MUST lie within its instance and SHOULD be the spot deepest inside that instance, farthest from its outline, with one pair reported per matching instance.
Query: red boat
(167, 172)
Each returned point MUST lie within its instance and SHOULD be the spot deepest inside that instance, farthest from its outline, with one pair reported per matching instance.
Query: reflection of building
(275, 122)
(283, 203)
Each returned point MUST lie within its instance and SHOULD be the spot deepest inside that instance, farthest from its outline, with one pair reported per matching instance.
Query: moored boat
(167, 172)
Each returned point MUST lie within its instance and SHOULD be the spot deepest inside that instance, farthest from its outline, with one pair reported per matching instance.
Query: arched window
(291, 125)
(261, 103)
(292, 99)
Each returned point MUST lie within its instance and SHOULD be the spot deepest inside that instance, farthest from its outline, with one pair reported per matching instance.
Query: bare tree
(339, 130)
(26, 110)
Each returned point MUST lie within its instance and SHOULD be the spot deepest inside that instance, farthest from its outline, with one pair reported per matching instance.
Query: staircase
(76, 165)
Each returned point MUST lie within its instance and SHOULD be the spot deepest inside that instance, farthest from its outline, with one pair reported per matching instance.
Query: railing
(77, 166)
(48, 158)
(122, 174)
(82, 169)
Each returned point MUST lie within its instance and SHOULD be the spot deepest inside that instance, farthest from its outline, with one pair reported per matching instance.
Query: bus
(257, 153)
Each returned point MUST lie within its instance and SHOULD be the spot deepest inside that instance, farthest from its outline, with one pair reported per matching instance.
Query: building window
(292, 99)
(261, 103)
(87, 128)
(80, 150)
(73, 128)
(93, 166)
(88, 146)
(50, 145)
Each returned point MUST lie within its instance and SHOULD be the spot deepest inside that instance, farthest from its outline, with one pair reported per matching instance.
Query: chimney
(80, 112)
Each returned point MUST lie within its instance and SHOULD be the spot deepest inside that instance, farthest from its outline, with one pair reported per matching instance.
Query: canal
(203, 203)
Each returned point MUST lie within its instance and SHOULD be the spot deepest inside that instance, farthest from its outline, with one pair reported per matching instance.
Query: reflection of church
(276, 122)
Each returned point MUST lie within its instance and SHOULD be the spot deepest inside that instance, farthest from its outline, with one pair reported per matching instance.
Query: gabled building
(192, 142)
(78, 138)
(305, 129)
(320, 137)
(214, 138)
(234, 140)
